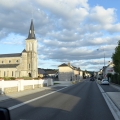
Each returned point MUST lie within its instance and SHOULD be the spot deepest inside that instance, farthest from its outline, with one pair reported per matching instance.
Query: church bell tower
(31, 49)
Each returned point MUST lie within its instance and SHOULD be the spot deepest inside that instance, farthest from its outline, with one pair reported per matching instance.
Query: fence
(21, 85)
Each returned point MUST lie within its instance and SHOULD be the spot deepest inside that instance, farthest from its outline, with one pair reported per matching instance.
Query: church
(22, 64)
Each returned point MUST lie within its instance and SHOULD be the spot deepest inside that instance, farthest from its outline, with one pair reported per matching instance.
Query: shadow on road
(82, 101)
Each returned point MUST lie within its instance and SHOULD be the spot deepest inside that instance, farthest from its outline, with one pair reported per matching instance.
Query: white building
(68, 72)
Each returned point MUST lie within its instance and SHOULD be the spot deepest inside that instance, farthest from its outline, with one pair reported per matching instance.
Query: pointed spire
(24, 51)
(31, 34)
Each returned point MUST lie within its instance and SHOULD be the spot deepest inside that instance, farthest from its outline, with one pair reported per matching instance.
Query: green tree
(116, 58)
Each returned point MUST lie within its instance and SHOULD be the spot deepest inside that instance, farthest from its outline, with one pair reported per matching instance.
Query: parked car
(105, 82)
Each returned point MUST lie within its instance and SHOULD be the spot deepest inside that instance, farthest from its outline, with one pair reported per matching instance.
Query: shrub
(12, 78)
(25, 78)
(116, 78)
(36, 78)
(119, 79)
(6, 78)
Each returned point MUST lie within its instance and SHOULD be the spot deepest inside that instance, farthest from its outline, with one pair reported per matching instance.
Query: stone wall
(10, 90)
(28, 87)
(36, 86)
(21, 85)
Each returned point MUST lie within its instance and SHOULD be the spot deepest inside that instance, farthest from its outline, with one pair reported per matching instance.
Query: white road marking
(102, 91)
(21, 104)
(114, 110)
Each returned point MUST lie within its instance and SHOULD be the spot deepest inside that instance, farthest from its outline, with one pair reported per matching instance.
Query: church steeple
(31, 34)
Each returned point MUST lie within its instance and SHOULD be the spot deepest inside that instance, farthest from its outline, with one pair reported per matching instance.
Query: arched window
(4, 73)
(30, 46)
(29, 66)
(12, 73)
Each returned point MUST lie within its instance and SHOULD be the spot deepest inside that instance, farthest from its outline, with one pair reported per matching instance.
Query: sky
(75, 31)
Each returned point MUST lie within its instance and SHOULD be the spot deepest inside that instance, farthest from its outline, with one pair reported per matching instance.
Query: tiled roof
(10, 55)
(8, 65)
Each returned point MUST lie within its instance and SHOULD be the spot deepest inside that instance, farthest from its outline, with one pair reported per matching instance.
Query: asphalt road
(82, 101)
(109, 88)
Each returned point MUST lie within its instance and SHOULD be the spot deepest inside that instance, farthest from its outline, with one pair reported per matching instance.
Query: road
(82, 101)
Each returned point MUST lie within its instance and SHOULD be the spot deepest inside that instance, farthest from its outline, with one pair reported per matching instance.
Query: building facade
(22, 64)
(67, 72)
(108, 69)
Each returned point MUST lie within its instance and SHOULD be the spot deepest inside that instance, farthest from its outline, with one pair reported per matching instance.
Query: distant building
(41, 72)
(22, 64)
(52, 73)
(68, 72)
(108, 69)
(105, 70)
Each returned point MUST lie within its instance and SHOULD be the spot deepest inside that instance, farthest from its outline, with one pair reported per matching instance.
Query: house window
(16, 60)
(12, 73)
(2, 62)
(9, 61)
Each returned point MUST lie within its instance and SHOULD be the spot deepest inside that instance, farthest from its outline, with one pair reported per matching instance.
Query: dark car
(92, 79)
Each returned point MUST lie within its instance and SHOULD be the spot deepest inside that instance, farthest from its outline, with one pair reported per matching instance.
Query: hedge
(115, 79)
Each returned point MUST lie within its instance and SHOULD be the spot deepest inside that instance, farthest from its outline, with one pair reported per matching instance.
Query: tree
(116, 58)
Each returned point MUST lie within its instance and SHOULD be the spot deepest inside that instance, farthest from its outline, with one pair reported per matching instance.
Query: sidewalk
(115, 96)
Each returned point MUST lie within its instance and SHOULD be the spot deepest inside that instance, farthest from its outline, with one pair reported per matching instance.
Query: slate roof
(62, 65)
(41, 71)
(71, 66)
(51, 72)
(10, 55)
(8, 65)
(31, 34)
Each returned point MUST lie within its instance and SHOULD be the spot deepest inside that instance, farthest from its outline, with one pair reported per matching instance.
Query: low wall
(62, 82)
(37, 86)
(10, 90)
(28, 87)
(21, 85)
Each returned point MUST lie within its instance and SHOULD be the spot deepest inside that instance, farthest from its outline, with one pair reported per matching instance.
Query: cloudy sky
(66, 30)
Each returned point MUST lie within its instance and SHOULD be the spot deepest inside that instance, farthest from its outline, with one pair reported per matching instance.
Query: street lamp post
(104, 57)
(104, 63)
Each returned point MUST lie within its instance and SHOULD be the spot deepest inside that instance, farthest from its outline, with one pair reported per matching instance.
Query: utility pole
(104, 57)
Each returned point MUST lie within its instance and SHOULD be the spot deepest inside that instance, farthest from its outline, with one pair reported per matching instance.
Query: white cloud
(10, 3)
(102, 15)
(66, 30)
